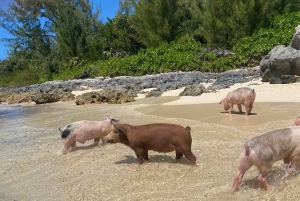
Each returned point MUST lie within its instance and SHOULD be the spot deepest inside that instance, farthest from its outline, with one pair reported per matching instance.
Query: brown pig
(82, 131)
(297, 121)
(263, 150)
(241, 96)
(160, 137)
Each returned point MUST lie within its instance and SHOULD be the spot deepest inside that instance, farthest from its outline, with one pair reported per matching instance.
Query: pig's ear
(121, 128)
(114, 121)
(222, 101)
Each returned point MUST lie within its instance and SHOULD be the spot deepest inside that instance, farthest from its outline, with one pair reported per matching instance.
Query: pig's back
(159, 137)
(272, 143)
(91, 129)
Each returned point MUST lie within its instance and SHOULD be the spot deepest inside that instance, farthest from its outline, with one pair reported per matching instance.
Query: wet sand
(33, 168)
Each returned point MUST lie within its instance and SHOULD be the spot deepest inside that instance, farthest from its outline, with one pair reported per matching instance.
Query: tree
(226, 22)
(77, 29)
(127, 7)
(122, 37)
(158, 21)
(22, 20)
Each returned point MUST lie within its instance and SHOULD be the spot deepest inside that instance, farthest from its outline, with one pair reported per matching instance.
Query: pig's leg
(73, 146)
(189, 155)
(262, 179)
(65, 149)
(240, 108)
(294, 164)
(139, 154)
(66, 146)
(244, 165)
(145, 154)
(96, 141)
(230, 108)
(178, 154)
(103, 141)
(248, 108)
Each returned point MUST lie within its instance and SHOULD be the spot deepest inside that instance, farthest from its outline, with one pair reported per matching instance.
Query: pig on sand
(241, 96)
(263, 150)
(82, 131)
(160, 137)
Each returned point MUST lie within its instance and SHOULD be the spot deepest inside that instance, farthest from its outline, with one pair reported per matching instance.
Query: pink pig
(241, 96)
(82, 131)
(265, 149)
(297, 122)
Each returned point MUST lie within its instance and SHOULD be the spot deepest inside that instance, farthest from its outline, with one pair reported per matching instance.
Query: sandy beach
(32, 166)
(265, 92)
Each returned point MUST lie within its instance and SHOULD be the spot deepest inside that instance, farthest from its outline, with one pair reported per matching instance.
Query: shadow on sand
(155, 159)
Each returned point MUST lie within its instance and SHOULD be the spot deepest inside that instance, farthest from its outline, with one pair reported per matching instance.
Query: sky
(108, 9)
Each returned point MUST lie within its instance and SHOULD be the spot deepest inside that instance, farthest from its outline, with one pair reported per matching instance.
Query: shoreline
(167, 85)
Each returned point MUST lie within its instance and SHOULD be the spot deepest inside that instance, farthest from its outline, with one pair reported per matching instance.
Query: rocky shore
(125, 88)
(280, 66)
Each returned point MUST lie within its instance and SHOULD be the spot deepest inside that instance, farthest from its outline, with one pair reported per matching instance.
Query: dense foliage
(62, 39)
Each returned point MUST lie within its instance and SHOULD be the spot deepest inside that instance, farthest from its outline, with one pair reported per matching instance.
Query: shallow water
(33, 168)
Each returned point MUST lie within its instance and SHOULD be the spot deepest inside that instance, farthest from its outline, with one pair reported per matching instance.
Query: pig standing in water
(159, 137)
(297, 122)
(263, 150)
(243, 95)
(82, 131)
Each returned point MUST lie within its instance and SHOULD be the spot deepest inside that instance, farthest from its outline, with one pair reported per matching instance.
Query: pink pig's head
(297, 121)
(224, 101)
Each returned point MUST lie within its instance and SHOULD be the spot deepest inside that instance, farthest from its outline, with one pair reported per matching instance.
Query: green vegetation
(62, 39)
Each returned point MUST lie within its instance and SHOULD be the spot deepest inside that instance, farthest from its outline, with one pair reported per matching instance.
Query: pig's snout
(107, 139)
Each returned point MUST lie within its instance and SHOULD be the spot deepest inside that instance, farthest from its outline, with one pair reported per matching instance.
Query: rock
(296, 39)
(282, 60)
(287, 79)
(118, 95)
(194, 90)
(15, 97)
(89, 98)
(109, 95)
(132, 85)
(275, 80)
(51, 96)
(154, 93)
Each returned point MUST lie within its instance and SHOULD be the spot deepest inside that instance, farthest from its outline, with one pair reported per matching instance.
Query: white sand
(265, 92)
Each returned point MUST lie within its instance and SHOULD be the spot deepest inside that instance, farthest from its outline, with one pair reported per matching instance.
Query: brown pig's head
(224, 101)
(118, 134)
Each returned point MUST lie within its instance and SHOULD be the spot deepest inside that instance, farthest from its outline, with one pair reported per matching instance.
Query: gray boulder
(287, 79)
(296, 39)
(282, 60)
(154, 93)
(194, 90)
(275, 80)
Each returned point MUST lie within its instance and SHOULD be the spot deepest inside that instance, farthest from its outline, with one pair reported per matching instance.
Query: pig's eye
(116, 132)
